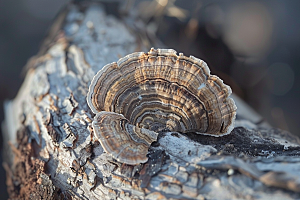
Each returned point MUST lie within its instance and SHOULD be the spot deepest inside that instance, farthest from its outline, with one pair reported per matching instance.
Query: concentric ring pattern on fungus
(157, 91)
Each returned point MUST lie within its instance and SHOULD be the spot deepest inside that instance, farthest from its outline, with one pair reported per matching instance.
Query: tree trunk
(51, 152)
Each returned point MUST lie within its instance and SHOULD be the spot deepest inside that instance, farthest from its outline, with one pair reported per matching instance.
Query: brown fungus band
(159, 91)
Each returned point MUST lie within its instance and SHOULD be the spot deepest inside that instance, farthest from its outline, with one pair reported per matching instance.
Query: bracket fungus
(159, 91)
(127, 143)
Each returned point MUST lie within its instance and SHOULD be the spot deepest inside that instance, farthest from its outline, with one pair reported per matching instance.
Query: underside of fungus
(156, 91)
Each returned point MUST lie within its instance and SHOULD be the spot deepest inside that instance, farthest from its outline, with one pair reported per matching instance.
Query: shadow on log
(51, 152)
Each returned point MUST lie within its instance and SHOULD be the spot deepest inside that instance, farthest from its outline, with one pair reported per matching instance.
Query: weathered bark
(53, 154)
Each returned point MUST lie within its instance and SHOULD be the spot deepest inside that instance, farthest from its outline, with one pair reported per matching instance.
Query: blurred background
(254, 46)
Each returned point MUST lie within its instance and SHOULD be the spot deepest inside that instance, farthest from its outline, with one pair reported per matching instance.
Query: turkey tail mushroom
(163, 91)
(125, 142)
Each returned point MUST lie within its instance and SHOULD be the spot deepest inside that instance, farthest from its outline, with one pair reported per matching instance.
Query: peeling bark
(53, 154)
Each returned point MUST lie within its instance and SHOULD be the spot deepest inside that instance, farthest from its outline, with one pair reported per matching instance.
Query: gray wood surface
(52, 153)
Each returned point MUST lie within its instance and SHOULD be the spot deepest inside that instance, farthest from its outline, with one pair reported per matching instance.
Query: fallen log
(51, 152)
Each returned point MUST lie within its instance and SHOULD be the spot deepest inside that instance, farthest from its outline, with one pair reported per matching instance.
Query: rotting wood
(56, 156)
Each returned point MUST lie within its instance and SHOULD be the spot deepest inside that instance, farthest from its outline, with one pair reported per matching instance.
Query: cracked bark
(51, 152)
